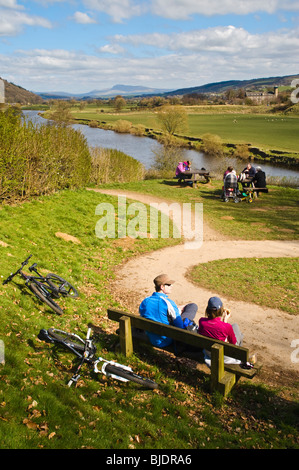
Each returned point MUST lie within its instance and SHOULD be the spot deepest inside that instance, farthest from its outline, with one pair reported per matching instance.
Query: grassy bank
(37, 410)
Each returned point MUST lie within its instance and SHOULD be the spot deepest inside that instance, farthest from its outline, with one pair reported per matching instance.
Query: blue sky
(79, 46)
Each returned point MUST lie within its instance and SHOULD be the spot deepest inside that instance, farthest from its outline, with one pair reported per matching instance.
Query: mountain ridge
(213, 87)
(17, 94)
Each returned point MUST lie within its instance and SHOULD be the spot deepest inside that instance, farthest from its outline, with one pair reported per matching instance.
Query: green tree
(61, 112)
(119, 103)
(173, 119)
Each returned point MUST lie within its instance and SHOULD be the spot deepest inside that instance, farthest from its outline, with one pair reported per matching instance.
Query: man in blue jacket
(160, 308)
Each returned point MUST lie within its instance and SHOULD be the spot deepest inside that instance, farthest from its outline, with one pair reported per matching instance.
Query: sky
(79, 46)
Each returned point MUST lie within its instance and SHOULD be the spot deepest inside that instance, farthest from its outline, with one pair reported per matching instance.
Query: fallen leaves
(33, 414)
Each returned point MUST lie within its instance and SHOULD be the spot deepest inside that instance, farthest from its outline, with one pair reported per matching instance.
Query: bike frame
(87, 356)
(39, 279)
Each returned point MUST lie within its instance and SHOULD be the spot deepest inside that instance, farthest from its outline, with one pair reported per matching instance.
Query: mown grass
(271, 282)
(271, 216)
(37, 410)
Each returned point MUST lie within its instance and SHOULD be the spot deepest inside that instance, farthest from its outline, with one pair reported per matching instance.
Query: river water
(143, 149)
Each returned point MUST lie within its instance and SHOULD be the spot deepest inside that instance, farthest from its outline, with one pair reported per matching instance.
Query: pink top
(216, 328)
(179, 169)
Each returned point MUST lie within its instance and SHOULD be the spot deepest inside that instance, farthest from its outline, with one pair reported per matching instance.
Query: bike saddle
(43, 336)
(32, 268)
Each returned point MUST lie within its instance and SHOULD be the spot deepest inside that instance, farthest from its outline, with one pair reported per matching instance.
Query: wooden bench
(223, 376)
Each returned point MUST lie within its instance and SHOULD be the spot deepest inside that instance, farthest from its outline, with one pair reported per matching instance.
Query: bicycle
(86, 350)
(45, 288)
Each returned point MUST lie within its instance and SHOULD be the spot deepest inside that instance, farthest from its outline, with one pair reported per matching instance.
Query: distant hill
(17, 94)
(123, 90)
(222, 87)
(138, 91)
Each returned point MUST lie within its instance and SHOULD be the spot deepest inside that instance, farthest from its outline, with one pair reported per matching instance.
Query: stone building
(262, 96)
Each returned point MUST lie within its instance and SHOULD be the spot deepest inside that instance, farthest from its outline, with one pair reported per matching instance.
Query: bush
(122, 126)
(93, 124)
(114, 166)
(41, 159)
(212, 145)
(242, 151)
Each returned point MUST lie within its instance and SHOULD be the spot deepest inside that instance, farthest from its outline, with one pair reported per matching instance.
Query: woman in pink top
(215, 325)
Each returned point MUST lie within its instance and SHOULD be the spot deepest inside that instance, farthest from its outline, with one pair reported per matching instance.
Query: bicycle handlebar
(13, 274)
(26, 261)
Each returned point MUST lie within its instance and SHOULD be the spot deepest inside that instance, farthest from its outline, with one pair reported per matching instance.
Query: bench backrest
(184, 336)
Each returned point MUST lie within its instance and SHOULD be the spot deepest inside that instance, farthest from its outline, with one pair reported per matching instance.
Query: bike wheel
(41, 295)
(61, 285)
(128, 375)
(67, 339)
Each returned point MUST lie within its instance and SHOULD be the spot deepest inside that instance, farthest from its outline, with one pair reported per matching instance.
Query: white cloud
(111, 49)
(83, 18)
(12, 22)
(183, 9)
(79, 72)
(10, 4)
(224, 39)
(119, 10)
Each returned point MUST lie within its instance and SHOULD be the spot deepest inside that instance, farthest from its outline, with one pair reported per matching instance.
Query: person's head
(248, 166)
(258, 168)
(214, 308)
(230, 168)
(163, 283)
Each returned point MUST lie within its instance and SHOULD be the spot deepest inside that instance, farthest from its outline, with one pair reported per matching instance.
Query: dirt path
(268, 332)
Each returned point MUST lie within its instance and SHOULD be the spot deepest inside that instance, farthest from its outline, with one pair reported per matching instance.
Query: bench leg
(221, 380)
(125, 336)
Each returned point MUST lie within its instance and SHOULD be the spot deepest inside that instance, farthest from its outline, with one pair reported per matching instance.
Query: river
(143, 148)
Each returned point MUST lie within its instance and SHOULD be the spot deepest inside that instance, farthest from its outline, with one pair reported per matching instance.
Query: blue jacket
(160, 308)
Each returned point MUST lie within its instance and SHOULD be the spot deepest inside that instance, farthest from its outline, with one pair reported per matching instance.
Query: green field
(233, 124)
(263, 131)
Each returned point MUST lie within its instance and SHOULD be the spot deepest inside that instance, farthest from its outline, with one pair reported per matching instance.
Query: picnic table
(194, 176)
(249, 187)
(248, 182)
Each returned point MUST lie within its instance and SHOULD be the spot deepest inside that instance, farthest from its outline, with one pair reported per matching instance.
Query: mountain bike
(86, 350)
(45, 288)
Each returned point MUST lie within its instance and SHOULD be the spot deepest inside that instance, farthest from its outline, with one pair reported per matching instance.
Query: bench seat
(223, 376)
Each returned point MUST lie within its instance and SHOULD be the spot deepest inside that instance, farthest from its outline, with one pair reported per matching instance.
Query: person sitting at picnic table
(180, 170)
(215, 325)
(187, 165)
(160, 308)
(249, 172)
(259, 179)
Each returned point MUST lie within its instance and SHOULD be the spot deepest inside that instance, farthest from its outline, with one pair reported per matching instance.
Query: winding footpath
(267, 332)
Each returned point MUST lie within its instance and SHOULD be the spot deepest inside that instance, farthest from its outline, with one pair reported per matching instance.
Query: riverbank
(254, 154)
